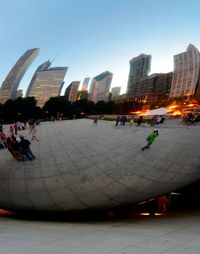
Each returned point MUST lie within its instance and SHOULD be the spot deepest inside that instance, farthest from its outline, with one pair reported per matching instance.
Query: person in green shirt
(150, 139)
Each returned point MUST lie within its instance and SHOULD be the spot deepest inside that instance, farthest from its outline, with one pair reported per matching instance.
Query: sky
(90, 36)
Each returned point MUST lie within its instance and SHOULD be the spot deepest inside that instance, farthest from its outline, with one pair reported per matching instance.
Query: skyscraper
(43, 67)
(186, 73)
(46, 83)
(85, 84)
(139, 69)
(100, 87)
(115, 91)
(10, 84)
(72, 91)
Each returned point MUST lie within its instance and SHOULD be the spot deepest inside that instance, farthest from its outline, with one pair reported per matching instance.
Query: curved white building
(186, 73)
(10, 84)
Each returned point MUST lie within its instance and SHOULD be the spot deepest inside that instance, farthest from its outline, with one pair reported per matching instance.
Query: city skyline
(105, 35)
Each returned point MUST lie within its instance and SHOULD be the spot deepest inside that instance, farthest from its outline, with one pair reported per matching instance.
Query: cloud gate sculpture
(80, 166)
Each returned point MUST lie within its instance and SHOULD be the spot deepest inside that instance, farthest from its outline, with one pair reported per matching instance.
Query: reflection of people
(162, 203)
(34, 132)
(139, 121)
(25, 144)
(150, 139)
(95, 120)
(131, 121)
(117, 120)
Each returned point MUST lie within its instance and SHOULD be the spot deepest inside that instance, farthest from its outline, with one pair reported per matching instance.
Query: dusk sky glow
(92, 36)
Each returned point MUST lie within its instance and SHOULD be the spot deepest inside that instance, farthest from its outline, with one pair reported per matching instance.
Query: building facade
(43, 67)
(85, 84)
(186, 73)
(19, 93)
(100, 87)
(47, 83)
(163, 83)
(139, 69)
(115, 91)
(82, 95)
(71, 91)
(10, 84)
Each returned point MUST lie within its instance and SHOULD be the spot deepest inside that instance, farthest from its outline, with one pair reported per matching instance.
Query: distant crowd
(191, 118)
(156, 120)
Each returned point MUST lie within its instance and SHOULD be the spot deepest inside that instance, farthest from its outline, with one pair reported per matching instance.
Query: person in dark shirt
(25, 144)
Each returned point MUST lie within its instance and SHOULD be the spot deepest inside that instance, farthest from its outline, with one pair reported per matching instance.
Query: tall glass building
(71, 91)
(85, 84)
(115, 91)
(139, 69)
(100, 87)
(47, 83)
(186, 73)
(43, 67)
(10, 84)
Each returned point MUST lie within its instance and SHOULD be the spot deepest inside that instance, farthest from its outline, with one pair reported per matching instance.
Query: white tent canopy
(158, 111)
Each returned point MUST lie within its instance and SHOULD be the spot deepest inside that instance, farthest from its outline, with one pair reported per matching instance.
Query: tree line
(26, 108)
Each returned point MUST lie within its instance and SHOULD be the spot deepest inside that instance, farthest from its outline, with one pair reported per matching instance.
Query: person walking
(150, 139)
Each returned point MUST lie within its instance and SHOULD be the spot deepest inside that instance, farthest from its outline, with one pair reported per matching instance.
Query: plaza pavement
(172, 233)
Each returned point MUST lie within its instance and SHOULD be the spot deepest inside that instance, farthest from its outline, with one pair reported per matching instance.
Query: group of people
(156, 120)
(17, 126)
(17, 145)
(191, 118)
(121, 119)
(20, 149)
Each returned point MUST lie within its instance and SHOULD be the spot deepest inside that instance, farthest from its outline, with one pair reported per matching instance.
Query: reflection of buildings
(100, 86)
(139, 69)
(42, 67)
(155, 83)
(115, 91)
(71, 91)
(11, 83)
(85, 84)
(186, 73)
(19, 93)
(144, 88)
(81, 95)
(46, 82)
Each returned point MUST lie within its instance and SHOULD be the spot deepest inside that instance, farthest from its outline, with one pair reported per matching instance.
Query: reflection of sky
(94, 36)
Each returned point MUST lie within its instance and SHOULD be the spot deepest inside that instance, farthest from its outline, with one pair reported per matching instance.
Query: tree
(83, 106)
(20, 109)
(100, 107)
(58, 106)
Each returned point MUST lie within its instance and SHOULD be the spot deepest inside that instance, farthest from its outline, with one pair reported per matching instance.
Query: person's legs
(147, 146)
(30, 153)
(27, 156)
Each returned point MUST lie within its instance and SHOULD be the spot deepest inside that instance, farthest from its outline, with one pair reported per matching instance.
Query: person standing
(150, 139)
(25, 144)
(95, 120)
(15, 127)
(117, 120)
(139, 121)
(11, 129)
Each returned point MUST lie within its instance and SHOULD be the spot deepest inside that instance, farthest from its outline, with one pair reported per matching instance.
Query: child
(34, 132)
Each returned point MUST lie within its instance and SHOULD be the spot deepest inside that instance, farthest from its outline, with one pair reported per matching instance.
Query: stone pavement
(172, 233)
